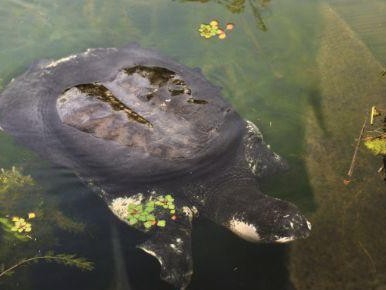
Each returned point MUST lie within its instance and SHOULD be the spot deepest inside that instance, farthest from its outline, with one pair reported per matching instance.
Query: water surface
(306, 72)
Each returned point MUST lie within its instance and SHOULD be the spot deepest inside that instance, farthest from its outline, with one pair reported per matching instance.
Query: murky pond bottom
(305, 73)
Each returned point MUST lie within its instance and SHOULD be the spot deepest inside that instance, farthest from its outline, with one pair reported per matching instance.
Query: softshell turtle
(159, 144)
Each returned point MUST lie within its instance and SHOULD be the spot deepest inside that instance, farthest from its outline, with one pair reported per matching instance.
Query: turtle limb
(171, 246)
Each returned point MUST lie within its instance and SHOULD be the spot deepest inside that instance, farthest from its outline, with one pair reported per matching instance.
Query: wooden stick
(354, 157)
(372, 115)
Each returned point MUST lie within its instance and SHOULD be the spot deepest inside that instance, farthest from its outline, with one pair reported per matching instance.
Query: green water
(306, 72)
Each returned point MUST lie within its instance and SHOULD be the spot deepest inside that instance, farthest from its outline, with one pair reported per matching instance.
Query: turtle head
(261, 160)
(267, 220)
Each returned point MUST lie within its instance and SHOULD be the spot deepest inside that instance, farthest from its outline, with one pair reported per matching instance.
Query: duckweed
(213, 29)
(151, 212)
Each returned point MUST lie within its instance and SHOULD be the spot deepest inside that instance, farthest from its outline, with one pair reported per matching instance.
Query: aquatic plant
(213, 29)
(141, 213)
(15, 190)
(151, 212)
(258, 8)
(64, 259)
(66, 223)
(21, 225)
(6, 225)
(12, 183)
(207, 30)
(167, 202)
(13, 178)
(377, 146)
(375, 140)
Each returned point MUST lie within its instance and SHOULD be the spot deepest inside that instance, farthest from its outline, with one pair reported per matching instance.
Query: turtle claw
(172, 248)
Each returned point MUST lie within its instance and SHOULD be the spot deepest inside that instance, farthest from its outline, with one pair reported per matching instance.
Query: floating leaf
(31, 215)
(230, 26)
(213, 29)
(146, 212)
(222, 36)
(148, 224)
(161, 223)
(151, 217)
(169, 197)
(214, 23)
(142, 218)
(172, 206)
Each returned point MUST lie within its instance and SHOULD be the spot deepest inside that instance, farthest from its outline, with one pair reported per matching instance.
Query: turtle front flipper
(171, 246)
(168, 223)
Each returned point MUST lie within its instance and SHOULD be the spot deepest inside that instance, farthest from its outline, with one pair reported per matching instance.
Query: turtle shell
(130, 113)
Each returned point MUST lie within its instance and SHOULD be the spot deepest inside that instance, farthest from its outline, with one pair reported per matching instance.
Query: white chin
(244, 230)
(285, 239)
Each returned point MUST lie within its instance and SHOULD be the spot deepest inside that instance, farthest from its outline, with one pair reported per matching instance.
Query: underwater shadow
(315, 101)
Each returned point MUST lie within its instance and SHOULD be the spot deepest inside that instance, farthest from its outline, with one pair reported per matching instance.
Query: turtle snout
(294, 227)
(283, 222)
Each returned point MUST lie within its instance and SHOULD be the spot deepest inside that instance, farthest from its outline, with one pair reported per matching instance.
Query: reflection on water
(307, 81)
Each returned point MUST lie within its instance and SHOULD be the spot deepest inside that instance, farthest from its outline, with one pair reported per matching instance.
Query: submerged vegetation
(12, 186)
(13, 180)
(375, 140)
(64, 259)
(18, 236)
(377, 146)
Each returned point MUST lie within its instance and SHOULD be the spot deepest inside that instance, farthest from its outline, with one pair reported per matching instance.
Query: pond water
(306, 72)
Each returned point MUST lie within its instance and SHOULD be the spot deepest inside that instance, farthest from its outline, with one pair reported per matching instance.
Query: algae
(376, 146)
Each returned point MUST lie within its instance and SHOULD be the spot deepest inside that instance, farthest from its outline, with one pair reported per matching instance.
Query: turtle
(157, 142)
